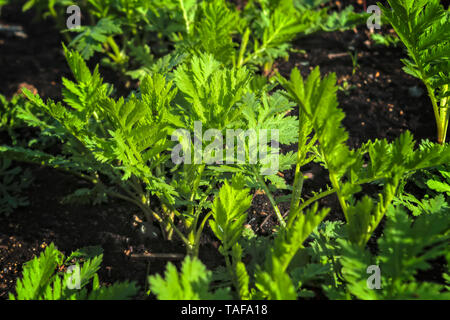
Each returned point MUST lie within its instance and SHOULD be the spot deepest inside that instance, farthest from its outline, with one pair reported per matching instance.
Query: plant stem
(180, 234)
(298, 178)
(196, 244)
(185, 17)
(190, 222)
(296, 195)
(342, 202)
(440, 121)
(271, 198)
(444, 116)
(316, 197)
(229, 267)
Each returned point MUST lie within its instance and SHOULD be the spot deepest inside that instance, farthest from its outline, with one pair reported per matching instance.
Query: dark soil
(378, 105)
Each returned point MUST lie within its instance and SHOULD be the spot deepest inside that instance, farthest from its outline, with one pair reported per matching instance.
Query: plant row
(123, 147)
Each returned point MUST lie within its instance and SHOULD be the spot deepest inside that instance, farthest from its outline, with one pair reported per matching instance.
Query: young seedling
(354, 56)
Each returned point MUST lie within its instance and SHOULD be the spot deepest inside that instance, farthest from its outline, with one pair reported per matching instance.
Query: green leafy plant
(9, 120)
(47, 278)
(354, 56)
(343, 20)
(132, 35)
(330, 259)
(16, 115)
(320, 122)
(347, 168)
(388, 40)
(118, 29)
(435, 183)
(415, 242)
(424, 29)
(91, 39)
(270, 26)
(271, 280)
(14, 180)
(192, 283)
(122, 147)
(47, 7)
(229, 216)
(346, 87)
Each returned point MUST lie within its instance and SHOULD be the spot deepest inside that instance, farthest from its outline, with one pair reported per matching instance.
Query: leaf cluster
(42, 278)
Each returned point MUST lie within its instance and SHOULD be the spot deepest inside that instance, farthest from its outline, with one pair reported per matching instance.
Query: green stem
(229, 267)
(117, 57)
(298, 178)
(296, 195)
(315, 198)
(243, 47)
(181, 235)
(185, 17)
(192, 222)
(196, 245)
(198, 232)
(335, 184)
(342, 202)
(99, 124)
(444, 116)
(440, 122)
(271, 198)
(130, 199)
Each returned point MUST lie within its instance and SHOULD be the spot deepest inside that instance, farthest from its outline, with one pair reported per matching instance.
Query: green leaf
(229, 213)
(37, 275)
(191, 283)
(91, 38)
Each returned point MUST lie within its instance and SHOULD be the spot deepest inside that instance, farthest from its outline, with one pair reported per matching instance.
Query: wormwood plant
(424, 28)
(435, 183)
(191, 283)
(123, 147)
(14, 180)
(47, 278)
(259, 33)
(404, 249)
(15, 114)
(9, 122)
(330, 262)
(131, 35)
(271, 280)
(349, 169)
(286, 266)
